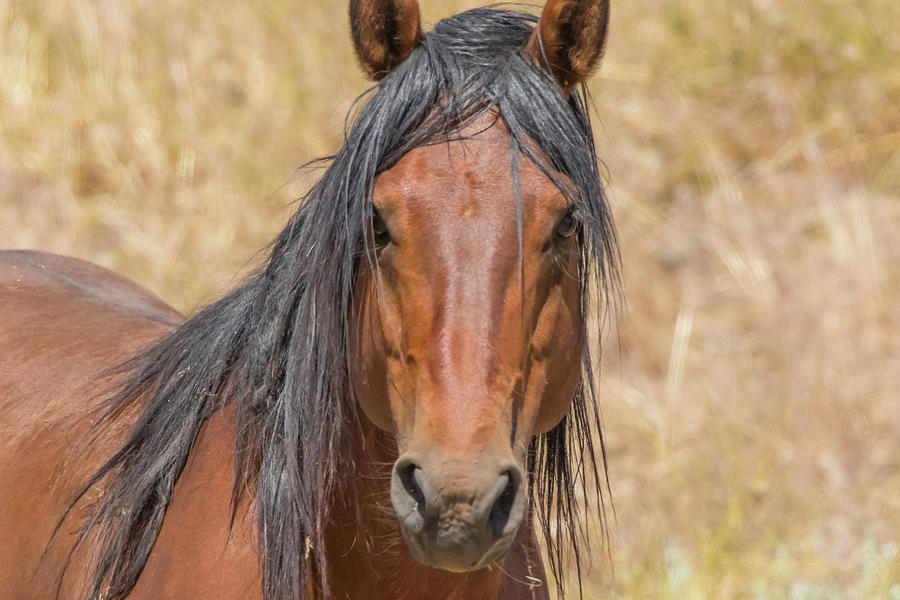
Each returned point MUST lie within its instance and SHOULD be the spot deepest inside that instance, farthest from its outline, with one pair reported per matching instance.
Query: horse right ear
(384, 33)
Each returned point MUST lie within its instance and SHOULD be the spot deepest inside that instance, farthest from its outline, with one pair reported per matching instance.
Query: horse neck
(365, 487)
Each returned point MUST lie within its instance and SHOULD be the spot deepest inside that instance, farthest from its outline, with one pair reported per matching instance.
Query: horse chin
(457, 558)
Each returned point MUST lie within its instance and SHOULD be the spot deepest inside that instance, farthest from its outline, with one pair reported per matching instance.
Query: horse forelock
(276, 348)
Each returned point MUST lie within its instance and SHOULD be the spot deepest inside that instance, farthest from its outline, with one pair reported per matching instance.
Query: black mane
(276, 348)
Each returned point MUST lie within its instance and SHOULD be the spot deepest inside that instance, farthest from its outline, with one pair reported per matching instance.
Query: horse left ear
(384, 33)
(569, 39)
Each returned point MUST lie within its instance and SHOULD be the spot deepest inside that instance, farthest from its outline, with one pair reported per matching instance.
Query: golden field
(751, 391)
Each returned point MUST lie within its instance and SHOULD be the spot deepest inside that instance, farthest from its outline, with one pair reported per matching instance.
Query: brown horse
(396, 405)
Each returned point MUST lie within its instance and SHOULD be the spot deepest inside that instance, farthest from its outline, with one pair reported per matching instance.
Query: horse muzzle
(457, 517)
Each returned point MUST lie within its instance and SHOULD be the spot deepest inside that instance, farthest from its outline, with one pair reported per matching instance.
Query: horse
(397, 404)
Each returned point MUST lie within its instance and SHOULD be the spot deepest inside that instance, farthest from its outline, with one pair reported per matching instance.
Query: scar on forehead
(474, 180)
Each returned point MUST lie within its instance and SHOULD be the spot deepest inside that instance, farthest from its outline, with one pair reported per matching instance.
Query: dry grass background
(752, 407)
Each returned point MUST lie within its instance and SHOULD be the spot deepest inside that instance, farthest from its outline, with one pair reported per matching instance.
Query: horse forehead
(467, 176)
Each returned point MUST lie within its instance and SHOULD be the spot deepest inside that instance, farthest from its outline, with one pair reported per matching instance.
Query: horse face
(467, 347)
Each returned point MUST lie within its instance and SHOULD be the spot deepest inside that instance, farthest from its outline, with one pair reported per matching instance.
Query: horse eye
(567, 226)
(380, 230)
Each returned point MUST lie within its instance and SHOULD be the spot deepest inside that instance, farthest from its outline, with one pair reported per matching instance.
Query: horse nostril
(410, 475)
(503, 505)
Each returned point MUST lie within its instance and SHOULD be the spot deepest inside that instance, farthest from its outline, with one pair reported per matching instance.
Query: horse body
(395, 405)
(64, 323)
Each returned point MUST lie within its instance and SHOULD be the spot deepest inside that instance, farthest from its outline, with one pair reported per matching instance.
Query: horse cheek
(563, 367)
(368, 369)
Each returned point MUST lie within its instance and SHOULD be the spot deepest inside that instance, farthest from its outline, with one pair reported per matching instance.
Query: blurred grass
(751, 408)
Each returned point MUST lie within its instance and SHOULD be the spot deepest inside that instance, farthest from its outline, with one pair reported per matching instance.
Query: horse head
(469, 322)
